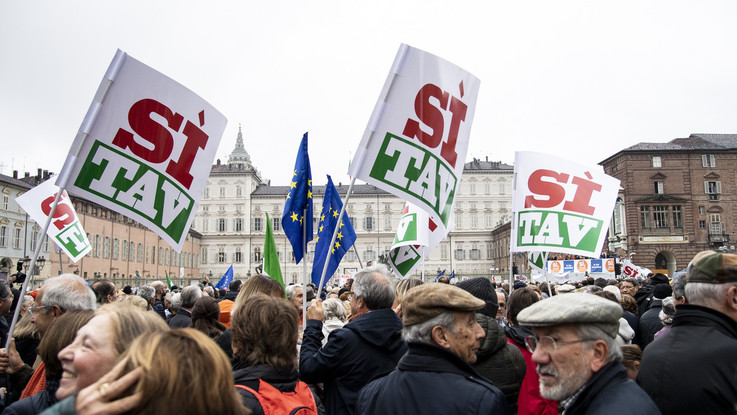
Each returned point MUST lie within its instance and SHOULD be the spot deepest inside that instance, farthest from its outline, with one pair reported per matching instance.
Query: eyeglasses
(35, 309)
(548, 344)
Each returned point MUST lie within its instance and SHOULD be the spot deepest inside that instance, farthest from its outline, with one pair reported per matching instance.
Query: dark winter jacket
(634, 321)
(644, 297)
(182, 319)
(650, 324)
(431, 380)
(159, 308)
(609, 392)
(529, 402)
(499, 361)
(37, 403)
(250, 376)
(693, 367)
(366, 347)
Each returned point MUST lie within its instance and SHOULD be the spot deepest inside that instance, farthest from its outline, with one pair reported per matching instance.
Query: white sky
(581, 80)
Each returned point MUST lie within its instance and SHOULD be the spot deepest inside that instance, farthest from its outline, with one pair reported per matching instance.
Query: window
(473, 188)
(444, 251)
(238, 225)
(502, 188)
(645, 216)
(238, 191)
(657, 161)
(238, 255)
(387, 222)
(702, 224)
(257, 254)
(203, 254)
(5, 202)
(221, 256)
(153, 255)
(106, 247)
(368, 223)
(207, 192)
(707, 160)
(474, 221)
(459, 221)
(488, 220)
(132, 251)
(167, 258)
(713, 189)
(701, 210)
(3, 236)
(659, 188)
(16, 239)
(460, 254)
(222, 191)
(487, 188)
(475, 252)
(387, 206)
(715, 226)
(139, 256)
(96, 247)
(34, 236)
(488, 250)
(161, 256)
(677, 222)
(660, 216)
(205, 226)
(116, 248)
(256, 224)
(221, 225)
(124, 252)
(205, 208)
(369, 255)
(276, 224)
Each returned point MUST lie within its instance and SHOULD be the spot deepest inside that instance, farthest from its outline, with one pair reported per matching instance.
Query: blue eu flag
(299, 198)
(225, 280)
(331, 206)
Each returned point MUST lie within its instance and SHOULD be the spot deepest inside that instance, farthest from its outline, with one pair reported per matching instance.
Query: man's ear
(439, 337)
(600, 352)
(56, 311)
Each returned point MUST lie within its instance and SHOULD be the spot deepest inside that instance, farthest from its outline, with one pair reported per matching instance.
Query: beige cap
(426, 301)
(573, 308)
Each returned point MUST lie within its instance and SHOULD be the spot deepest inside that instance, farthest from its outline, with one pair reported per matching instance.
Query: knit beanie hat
(481, 288)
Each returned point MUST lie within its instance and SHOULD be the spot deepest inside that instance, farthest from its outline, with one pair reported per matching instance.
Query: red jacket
(530, 402)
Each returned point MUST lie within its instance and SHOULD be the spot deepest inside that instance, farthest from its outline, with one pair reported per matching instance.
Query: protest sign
(560, 206)
(66, 230)
(417, 235)
(145, 149)
(416, 140)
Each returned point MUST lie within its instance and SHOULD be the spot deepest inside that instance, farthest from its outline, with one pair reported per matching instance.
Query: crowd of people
(596, 346)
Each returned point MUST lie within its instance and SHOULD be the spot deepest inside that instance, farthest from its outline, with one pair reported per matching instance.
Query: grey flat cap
(574, 308)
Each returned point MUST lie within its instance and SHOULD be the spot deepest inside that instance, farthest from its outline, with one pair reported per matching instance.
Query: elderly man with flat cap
(692, 368)
(577, 357)
(436, 376)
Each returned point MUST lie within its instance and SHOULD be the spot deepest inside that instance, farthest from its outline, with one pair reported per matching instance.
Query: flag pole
(335, 235)
(360, 264)
(32, 267)
(304, 269)
(422, 270)
(545, 273)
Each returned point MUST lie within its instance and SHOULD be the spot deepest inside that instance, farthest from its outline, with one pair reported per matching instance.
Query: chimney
(46, 175)
(27, 175)
(38, 174)
(487, 158)
(15, 174)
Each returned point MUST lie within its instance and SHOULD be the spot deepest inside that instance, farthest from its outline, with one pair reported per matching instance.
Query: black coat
(609, 392)
(431, 380)
(650, 324)
(37, 403)
(366, 347)
(250, 376)
(692, 368)
(181, 320)
(500, 362)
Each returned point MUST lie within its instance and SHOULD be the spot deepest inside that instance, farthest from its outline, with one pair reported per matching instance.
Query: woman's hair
(631, 353)
(134, 301)
(520, 299)
(205, 315)
(629, 303)
(184, 372)
(60, 335)
(258, 284)
(264, 332)
(403, 286)
(333, 309)
(129, 322)
(25, 328)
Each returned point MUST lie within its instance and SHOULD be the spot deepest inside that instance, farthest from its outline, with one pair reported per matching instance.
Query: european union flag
(225, 280)
(299, 198)
(331, 206)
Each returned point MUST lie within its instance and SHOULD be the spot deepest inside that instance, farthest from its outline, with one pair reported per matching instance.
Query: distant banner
(581, 265)
(560, 206)
(149, 147)
(65, 230)
(416, 141)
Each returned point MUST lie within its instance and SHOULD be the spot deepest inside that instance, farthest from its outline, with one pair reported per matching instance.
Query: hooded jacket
(366, 347)
(498, 361)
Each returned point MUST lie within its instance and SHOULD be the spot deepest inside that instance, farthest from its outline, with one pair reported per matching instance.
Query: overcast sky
(580, 80)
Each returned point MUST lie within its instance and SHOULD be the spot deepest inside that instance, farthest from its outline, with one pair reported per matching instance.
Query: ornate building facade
(232, 220)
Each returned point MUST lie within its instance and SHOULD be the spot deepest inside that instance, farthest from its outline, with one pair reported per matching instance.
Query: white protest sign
(65, 230)
(149, 149)
(417, 235)
(416, 141)
(560, 206)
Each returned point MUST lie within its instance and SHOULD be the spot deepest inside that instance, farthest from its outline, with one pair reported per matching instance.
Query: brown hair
(629, 303)
(520, 299)
(129, 323)
(631, 353)
(183, 372)
(205, 315)
(58, 336)
(264, 332)
(607, 295)
(403, 286)
(258, 284)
